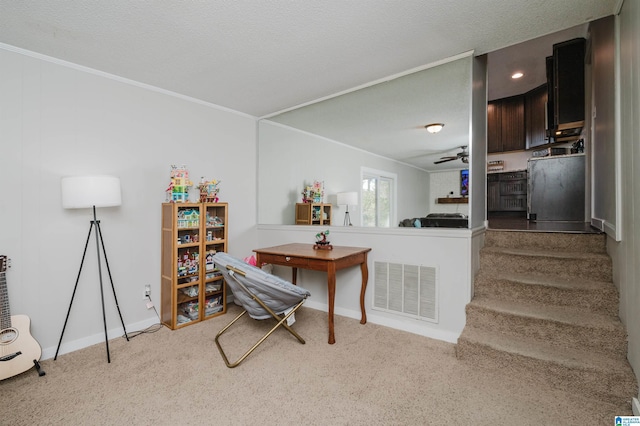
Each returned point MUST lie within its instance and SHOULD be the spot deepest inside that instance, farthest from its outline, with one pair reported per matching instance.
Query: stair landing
(522, 224)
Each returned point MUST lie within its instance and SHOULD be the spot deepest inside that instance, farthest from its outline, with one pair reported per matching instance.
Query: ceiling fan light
(434, 127)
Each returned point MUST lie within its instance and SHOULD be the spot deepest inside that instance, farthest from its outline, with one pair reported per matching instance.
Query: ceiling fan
(464, 156)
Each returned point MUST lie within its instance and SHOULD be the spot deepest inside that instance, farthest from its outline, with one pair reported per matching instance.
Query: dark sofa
(438, 220)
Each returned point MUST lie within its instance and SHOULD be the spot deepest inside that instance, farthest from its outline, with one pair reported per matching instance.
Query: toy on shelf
(188, 263)
(213, 305)
(188, 218)
(191, 310)
(214, 221)
(321, 241)
(209, 265)
(209, 190)
(313, 193)
(178, 190)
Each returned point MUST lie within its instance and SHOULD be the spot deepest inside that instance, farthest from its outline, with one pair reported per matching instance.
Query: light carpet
(373, 375)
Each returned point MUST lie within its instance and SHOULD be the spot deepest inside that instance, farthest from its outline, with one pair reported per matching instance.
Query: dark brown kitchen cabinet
(535, 117)
(494, 130)
(566, 90)
(551, 100)
(569, 88)
(505, 124)
(513, 124)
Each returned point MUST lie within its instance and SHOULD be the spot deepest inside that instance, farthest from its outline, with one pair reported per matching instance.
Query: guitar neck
(5, 314)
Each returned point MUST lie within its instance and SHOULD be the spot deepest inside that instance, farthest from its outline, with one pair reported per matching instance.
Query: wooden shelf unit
(191, 234)
(313, 214)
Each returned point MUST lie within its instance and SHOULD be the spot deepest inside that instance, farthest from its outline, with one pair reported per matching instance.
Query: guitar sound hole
(8, 335)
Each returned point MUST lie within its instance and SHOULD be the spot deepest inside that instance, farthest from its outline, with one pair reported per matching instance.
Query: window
(378, 198)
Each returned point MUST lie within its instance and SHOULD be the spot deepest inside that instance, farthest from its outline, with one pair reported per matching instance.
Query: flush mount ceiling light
(434, 127)
(517, 75)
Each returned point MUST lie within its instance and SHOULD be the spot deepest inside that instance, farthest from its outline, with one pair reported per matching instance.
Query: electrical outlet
(147, 292)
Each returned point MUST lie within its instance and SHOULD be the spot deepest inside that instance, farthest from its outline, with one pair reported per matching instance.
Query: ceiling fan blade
(445, 160)
(445, 151)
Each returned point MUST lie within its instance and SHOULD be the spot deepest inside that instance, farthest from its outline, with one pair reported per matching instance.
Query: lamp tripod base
(99, 243)
(347, 219)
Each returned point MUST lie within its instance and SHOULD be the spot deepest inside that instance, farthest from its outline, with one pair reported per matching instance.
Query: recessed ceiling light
(434, 127)
(517, 75)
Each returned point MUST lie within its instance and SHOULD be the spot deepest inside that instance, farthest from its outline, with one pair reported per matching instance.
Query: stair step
(550, 241)
(595, 266)
(592, 374)
(558, 326)
(598, 296)
(545, 308)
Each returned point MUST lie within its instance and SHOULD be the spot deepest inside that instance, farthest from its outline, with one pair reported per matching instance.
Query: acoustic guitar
(19, 351)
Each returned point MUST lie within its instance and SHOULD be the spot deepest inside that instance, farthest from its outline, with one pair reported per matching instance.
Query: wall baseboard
(419, 327)
(597, 223)
(113, 333)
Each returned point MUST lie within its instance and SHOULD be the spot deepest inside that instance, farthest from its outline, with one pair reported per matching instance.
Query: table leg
(294, 275)
(331, 286)
(365, 278)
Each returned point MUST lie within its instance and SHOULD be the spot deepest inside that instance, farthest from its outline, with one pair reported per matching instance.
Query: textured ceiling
(261, 57)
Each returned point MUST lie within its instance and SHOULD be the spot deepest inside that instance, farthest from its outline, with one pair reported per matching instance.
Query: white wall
(626, 253)
(290, 158)
(440, 186)
(603, 144)
(513, 161)
(477, 170)
(478, 144)
(58, 120)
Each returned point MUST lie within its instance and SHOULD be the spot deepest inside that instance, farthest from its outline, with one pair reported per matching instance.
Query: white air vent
(409, 290)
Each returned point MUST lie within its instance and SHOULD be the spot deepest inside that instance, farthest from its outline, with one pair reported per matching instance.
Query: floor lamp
(83, 192)
(346, 199)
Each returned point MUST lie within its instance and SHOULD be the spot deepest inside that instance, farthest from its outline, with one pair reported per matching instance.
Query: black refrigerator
(556, 188)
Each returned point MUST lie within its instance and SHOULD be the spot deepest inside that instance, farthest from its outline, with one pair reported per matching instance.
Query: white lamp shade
(80, 192)
(347, 198)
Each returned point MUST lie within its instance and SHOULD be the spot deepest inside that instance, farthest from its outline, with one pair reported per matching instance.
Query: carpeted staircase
(545, 307)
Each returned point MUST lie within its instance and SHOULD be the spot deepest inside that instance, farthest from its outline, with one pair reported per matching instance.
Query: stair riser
(605, 341)
(604, 301)
(604, 386)
(585, 243)
(597, 268)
